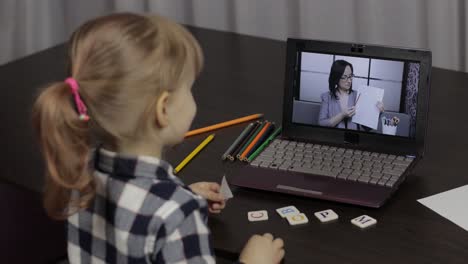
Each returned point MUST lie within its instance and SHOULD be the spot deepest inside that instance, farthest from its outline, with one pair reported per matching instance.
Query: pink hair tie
(82, 110)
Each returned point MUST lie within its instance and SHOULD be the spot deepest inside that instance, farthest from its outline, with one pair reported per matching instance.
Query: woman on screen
(338, 104)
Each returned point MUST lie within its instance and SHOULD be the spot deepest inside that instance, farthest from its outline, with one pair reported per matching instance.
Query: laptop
(354, 123)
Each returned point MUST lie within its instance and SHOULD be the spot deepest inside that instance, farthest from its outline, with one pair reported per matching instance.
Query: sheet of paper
(367, 112)
(451, 205)
(225, 190)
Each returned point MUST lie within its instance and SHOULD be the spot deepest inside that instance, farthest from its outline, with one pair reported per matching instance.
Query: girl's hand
(210, 191)
(262, 250)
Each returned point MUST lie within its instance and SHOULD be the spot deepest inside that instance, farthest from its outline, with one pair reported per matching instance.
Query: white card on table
(326, 215)
(363, 221)
(287, 211)
(254, 216)
(297, 219)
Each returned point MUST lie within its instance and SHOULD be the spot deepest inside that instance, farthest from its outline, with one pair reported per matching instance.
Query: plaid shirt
(141, 213)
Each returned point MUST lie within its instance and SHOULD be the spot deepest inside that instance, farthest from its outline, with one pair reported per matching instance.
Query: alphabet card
(364, 221)
(326, 215)
(297, 219)
(287, 211)
(255, 216)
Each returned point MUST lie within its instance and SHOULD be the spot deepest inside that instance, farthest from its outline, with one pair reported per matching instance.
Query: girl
(129, 95)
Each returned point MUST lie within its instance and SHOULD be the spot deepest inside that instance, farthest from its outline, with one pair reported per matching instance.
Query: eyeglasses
(347, 77)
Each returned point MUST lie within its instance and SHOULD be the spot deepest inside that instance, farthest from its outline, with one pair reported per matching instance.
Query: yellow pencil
(194, 152)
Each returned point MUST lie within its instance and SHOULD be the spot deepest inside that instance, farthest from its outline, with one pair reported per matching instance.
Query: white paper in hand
(225, 190)
(367, 113)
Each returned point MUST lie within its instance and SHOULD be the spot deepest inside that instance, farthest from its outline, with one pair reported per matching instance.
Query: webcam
(357, 48)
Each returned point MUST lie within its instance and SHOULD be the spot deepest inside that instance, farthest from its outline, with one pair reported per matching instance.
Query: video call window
(398, 79)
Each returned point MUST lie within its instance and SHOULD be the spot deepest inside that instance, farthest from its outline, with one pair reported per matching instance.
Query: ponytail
(65, 144)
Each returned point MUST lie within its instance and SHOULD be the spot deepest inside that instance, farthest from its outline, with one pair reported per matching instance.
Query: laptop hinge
(351, 138)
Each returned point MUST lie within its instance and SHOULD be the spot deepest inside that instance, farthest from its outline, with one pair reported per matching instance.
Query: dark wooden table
(244, 75)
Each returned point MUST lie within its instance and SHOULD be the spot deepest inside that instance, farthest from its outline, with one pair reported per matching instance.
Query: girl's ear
(162, 118)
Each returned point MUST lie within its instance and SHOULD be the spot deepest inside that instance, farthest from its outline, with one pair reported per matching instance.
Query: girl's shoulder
(177, 204)
(174, 191)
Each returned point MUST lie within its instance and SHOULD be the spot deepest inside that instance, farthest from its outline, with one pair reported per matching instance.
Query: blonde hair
(122, 63)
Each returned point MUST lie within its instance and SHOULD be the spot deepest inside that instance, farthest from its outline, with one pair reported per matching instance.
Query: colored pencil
(236, 142)
(223, 124)
(264, 145)
(257, 137)
(247, 143)
(193, 153)
(260, 141)
(244, 141)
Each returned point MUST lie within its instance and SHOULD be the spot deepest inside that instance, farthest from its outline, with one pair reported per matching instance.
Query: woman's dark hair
(337, 69)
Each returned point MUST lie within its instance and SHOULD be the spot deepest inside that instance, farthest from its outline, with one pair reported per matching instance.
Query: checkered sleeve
(188, 241)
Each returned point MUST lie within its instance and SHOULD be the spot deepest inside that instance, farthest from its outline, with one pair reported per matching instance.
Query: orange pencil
(223, 124)
(254, 141)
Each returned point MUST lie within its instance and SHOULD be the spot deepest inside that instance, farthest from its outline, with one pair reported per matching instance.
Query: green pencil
(261, 140)
(260, 149)
(260, 127)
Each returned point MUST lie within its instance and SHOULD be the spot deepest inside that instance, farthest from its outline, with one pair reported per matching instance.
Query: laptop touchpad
(295, 189)
(306, 185)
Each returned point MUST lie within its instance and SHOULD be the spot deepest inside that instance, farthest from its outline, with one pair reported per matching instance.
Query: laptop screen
(365, 94)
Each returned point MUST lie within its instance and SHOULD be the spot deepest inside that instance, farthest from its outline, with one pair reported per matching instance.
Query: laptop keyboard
(338, 163)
